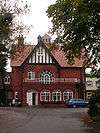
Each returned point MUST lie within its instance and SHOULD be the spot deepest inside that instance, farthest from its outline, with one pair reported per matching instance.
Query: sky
(38, 19)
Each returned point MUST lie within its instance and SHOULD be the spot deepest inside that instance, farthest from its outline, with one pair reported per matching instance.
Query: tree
(77, 25)
(8, 26)
(94, 104)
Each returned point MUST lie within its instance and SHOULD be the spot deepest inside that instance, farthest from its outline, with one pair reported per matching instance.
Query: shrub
(94, 104)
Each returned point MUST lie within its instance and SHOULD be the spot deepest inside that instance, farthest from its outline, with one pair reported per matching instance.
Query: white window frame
(40, 51)
(56, 95)
(31, 76)
(67, 93)
(89, 83)
(40, 55)
(7, 80)
(46, 77)
(89, 94)
(45, 94)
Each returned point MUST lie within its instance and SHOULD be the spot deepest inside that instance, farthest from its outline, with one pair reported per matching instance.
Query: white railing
(53, 80)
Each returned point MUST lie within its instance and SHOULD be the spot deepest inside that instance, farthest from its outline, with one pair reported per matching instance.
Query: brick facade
(53, 80)
(21, 86)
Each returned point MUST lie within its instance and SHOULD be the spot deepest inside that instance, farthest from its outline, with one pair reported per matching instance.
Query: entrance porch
(32, 98)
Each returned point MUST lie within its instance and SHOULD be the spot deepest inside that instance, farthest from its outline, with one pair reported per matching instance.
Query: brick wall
(20, 73)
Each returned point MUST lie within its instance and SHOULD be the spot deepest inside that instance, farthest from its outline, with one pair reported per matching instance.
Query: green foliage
(8, 28)
(77, 25)
(94, 104)
(5, 31)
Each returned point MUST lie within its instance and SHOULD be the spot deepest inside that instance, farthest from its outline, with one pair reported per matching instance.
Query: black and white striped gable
(41, 54)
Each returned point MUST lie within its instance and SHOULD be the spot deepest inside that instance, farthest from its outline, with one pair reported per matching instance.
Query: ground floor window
(67, 95)
(56, 96)
(45, 96)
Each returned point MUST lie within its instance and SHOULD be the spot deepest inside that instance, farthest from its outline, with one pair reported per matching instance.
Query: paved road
(46, 120)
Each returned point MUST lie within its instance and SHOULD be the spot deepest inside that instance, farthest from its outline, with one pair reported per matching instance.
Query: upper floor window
(97, 83)
(40, 51)
(31, 75)
(40, 55)
(7, 80)
(46, 77)
(89, 83)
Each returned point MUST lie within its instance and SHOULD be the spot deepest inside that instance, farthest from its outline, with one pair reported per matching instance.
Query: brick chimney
(20, 41)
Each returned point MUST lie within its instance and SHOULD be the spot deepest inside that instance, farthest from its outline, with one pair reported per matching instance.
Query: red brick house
(42, 76)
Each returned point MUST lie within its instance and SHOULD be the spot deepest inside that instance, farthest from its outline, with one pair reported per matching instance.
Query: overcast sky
(38, 18)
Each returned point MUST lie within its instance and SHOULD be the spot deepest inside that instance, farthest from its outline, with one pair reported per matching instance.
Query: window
(89, 94)
(40, 55)
(89, 83)
(38, 58)
(46, 77)
(67, 95)
(40, 51)
(7, 80)
(45, 96)
(56, 96)
(31, 75)
(49, 40)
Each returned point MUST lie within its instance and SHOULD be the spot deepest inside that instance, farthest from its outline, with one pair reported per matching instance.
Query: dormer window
(49, 40)
(46, 39)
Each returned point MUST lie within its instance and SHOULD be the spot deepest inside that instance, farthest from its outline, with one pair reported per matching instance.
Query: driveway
(46, 120)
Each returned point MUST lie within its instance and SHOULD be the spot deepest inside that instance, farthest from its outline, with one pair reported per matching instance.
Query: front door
(29, 98)
(33, 98)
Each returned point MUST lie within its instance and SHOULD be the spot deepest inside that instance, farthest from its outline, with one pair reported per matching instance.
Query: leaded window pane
(46, 77)
(45, 96)
(56, 96)
(67, 95)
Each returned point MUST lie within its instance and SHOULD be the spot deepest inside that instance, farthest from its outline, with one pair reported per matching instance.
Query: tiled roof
(61, 59)
(21, 55)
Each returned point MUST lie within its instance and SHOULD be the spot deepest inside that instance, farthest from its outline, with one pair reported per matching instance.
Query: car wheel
(74, 106)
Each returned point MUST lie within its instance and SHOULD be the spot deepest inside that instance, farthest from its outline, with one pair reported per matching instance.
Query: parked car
(76, 103)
